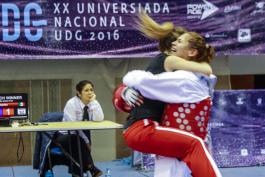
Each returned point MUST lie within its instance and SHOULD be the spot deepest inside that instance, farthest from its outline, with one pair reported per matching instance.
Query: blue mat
(119, 168)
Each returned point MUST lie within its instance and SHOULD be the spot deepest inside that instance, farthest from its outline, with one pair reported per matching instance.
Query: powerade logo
(11, 24)
(200, 11)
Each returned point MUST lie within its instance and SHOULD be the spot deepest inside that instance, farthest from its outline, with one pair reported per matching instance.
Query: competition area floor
(120, 169)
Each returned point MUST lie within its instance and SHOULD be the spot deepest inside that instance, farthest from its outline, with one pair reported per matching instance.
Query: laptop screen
(13, 105)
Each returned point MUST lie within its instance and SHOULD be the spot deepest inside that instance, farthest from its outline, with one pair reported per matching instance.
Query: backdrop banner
(56, 29)
(237, 128)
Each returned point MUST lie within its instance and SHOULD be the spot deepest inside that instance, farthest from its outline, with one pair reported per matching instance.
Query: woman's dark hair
(80, 85)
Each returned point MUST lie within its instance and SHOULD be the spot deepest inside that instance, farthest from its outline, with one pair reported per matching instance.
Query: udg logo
(12, 24)
(200, 11)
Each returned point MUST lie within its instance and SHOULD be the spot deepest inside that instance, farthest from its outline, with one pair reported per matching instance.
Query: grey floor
(120, 169)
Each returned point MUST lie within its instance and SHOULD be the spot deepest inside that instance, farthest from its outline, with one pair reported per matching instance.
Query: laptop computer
(13, 106)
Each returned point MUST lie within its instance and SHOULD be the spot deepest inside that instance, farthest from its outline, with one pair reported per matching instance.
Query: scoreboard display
(14, 105)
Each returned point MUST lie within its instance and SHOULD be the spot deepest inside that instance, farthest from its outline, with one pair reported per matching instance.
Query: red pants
(148, 137)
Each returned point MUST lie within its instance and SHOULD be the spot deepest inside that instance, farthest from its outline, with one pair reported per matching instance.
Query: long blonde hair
(165, 33)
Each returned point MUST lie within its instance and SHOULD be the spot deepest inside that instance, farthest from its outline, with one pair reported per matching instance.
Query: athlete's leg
(146, 136)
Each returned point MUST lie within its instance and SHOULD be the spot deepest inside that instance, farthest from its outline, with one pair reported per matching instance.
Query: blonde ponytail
(151, 29)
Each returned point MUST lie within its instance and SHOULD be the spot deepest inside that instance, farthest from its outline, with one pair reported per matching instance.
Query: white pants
(170, 167)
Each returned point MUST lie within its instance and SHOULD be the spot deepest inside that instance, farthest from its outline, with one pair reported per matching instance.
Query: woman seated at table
(82, 107)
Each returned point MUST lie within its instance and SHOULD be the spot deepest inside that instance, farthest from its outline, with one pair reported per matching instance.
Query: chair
(42, 142)
(47, 152)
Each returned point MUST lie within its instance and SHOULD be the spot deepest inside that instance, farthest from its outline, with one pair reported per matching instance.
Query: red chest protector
(190, 117)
